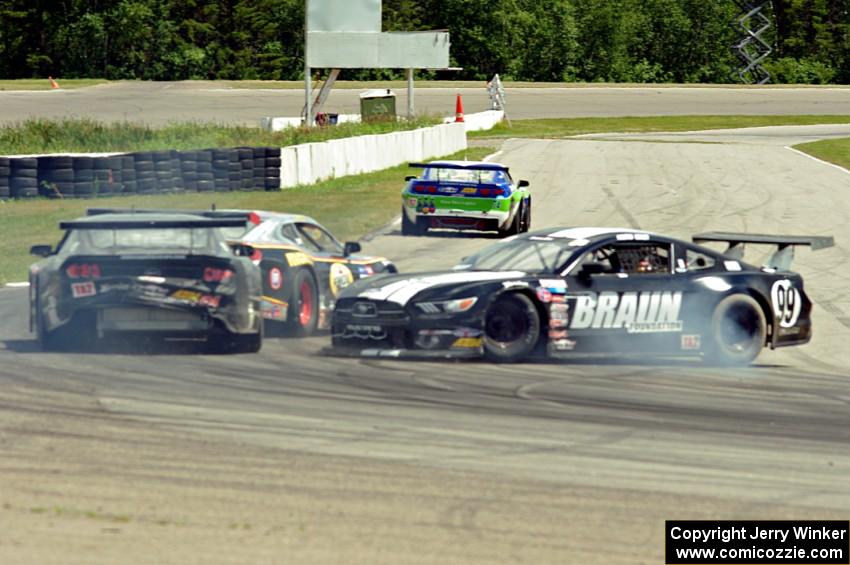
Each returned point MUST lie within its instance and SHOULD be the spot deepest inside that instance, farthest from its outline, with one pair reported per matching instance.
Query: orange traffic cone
(53, 83)
(459, 109)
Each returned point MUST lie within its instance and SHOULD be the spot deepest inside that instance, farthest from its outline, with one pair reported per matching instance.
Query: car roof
(486, 165)
(593, 234)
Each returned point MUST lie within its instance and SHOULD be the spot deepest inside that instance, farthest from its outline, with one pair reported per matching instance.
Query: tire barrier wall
(221, 170)
(143, 172)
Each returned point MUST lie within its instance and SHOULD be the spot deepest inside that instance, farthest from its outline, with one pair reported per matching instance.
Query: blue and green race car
(467, 195)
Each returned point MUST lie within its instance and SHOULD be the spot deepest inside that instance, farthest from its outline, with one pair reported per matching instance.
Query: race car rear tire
(227, 342)
(411, 228)
(246, 343)
(515, 227)
(511, 329)
(526, 218)
(738, 330)
(303, 313)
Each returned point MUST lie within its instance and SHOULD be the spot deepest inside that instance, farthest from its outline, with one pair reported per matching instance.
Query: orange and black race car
(304, 267)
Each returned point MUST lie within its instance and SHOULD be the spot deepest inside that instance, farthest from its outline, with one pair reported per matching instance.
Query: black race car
(589, 290)
(303, 265)
(170, 275)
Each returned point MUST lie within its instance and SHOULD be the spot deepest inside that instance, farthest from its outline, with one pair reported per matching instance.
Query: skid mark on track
(633, 223)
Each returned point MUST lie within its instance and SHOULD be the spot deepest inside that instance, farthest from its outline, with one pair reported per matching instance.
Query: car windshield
(530, 255)
(463, 175)
(183, 241)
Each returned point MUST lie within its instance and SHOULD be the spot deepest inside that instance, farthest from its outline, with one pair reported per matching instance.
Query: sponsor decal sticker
(411, 202)
(150, 291)
(275, 278)
(644, 312)
(83, 289)
(732, 265)
(786, 302)
(690, 342)
(186, 295)
(558, 334)
(557, 286)
(467, 342)
(544, 295)
(563, 344)
(469, 190)
(114, 287)
(340, 277)
(514, 284)
(296, 259)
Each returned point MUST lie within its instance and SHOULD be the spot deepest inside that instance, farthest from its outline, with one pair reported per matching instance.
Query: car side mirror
(590, 269)
(523, 183)
(410, 177)
(243, 250)
(41, 250)
(350, 248)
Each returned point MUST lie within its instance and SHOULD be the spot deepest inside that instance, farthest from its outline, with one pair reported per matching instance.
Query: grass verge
(44, 84)
(350, 207)
(90, 136)
(563, 127)
(836, 151)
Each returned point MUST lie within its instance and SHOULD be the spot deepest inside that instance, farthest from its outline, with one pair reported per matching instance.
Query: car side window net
(647, 259)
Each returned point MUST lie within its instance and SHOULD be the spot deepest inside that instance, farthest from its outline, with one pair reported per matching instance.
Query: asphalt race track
(288, 456)
(161, 102)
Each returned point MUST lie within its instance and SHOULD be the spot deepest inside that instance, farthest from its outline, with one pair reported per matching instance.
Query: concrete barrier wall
(313, 162)
(481, 120)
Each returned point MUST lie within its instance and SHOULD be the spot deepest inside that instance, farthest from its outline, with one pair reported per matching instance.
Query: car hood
(402, 288)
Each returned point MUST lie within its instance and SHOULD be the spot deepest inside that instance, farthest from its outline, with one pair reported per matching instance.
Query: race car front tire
(738, 330)
(511, 329)
(303, 313)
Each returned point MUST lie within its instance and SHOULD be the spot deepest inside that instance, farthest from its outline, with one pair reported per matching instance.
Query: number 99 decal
(786, 303)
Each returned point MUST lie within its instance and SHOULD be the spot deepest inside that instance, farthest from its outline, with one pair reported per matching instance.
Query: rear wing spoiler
(780, 259)
(476, 167)
(153, 224)
(203, 213)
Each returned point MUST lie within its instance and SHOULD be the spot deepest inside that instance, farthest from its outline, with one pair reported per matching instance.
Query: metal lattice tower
(752, 49)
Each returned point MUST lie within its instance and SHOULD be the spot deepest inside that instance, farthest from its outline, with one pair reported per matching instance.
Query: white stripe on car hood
(401, 292)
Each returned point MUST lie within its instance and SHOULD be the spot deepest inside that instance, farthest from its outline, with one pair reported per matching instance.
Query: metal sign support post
(308, 86)
(308, 94)
(409, 94)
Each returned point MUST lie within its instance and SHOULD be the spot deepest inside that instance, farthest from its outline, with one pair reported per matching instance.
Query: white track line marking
(492, 156)
(18, 284)
(803, 153)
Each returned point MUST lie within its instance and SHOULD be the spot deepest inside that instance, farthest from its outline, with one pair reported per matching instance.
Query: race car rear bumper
(449, 217)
